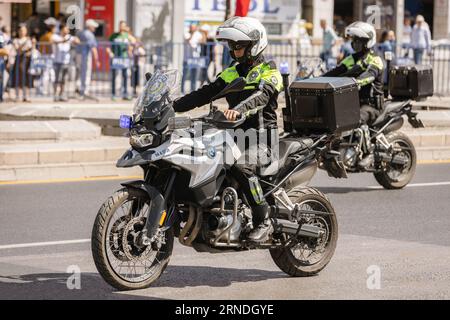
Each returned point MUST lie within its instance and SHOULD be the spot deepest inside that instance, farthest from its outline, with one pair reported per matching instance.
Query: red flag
(242, 8)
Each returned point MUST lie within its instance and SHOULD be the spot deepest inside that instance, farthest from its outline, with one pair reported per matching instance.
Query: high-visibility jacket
(264, 82)
(367, 69)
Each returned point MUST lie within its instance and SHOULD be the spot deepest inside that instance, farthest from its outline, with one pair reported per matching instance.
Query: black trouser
(368, 114)
(248, 181)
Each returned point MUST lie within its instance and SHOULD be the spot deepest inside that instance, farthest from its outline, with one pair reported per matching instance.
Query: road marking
(412, 185)
(69, 180)
(433, 161)
(43, 244)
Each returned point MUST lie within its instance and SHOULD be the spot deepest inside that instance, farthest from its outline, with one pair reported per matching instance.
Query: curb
(65, 171)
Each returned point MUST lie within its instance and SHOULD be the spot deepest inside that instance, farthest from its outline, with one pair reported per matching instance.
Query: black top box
(411, 82)
(323, 105)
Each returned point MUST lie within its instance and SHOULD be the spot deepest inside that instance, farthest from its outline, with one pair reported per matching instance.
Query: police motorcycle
(188, 193)
(392, 152)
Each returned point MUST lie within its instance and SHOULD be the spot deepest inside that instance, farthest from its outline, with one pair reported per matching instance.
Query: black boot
(262, 225)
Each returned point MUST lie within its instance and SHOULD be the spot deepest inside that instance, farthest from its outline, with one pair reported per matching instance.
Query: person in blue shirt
(386, 44)
(329, 40)
(420, 39)
(3, 54)
(86, 51)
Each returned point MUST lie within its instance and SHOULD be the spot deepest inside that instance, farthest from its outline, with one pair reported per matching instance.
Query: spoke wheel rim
(311, 251)
(133, 264)
(399, 172)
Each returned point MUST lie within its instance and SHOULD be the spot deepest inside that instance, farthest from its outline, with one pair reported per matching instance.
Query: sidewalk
(53, 140)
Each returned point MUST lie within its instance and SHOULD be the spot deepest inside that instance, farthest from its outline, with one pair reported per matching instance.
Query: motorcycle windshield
(160, 84)
(310, 67)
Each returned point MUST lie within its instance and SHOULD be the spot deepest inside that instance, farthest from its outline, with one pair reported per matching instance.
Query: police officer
(247, 39)
(368, 69)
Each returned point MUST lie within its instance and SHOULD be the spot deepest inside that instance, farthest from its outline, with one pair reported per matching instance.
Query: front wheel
(309, 256)
(396, 176)
(120, 259)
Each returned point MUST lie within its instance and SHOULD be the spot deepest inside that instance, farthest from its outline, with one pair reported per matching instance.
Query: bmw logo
(211, 152)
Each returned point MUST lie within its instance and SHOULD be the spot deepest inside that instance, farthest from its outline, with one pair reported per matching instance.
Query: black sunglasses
(237, 45)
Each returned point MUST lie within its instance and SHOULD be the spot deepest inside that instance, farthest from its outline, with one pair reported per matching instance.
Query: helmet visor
(358, 44)
(237, 45)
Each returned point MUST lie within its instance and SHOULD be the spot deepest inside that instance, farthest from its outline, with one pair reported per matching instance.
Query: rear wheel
(308, 256)
(118, 255)
(396, 176)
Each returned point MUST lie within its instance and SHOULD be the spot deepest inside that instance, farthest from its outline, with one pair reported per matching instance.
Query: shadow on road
(54, 285)
(339, 190)
(193, 276)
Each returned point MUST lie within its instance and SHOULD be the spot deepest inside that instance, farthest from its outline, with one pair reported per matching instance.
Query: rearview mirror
(235, 86)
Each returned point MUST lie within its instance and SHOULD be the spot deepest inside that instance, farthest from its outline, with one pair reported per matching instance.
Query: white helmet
(242, 32)
(364, 31)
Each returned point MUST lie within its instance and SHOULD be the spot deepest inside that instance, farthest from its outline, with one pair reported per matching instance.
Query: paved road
(405, 233)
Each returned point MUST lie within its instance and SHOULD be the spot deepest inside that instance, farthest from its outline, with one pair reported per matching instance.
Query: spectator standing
(420, 39)
(212, 61)
(62, 46)
(46, 49)
(384, 46)
(329, 40)
(192, 52)
(20, 78)
(204, 54)
(3, 59)
(407, 30)
(45, 40)
(86, 53)
(8, 59)
(138, 61)
(120, 53)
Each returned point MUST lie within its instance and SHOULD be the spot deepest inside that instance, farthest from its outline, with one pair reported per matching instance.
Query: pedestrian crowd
(47, 59)
(48, 54)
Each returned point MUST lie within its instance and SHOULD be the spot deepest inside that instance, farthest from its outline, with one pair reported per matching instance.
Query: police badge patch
(253, 76)
(274, 80)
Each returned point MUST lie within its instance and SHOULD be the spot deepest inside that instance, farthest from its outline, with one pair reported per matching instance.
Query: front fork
(157, 215)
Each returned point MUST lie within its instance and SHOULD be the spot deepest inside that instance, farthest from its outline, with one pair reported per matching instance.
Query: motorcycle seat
(390, 106)
(286, 148)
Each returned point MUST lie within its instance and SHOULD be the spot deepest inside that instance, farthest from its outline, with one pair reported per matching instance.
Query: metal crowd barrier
(198, 65)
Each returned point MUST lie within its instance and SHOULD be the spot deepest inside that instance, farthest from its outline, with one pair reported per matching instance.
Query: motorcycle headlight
(142, 141)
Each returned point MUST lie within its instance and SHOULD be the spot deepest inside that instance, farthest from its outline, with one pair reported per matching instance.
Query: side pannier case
(411, 82)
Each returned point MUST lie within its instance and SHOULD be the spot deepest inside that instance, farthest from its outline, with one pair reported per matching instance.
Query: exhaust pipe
(306, 230)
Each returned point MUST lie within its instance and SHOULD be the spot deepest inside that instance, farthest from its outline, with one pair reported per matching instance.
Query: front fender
(157, 204)
(133, 158)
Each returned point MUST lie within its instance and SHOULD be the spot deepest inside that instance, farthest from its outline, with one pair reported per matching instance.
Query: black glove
(148, 75)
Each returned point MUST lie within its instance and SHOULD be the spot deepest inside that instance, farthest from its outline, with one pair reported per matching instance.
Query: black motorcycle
(381, 149)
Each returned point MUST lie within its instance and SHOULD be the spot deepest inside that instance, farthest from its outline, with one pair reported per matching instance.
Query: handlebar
(218, 119)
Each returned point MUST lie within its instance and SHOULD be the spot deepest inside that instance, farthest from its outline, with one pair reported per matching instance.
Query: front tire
(109, 247)
(286, 258)
(394, 176)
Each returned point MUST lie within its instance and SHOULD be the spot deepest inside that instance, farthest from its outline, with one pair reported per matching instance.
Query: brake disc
(116, 238)
(129, 238)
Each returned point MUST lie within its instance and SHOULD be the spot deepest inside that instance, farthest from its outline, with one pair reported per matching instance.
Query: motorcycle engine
(349, 156)
(218, 223)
